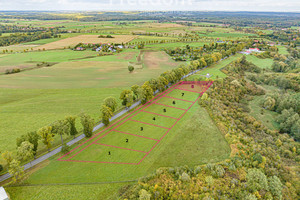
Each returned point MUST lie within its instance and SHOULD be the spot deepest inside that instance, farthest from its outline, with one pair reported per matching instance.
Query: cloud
(227, 5)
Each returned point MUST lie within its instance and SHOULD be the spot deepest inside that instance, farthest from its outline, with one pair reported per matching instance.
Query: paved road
(77, 139)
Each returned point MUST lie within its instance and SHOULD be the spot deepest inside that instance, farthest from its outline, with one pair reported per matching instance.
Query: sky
(142, 5)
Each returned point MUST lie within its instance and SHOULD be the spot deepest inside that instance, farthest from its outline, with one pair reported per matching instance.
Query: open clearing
(215, 70)
(261, 63)
(91, 39)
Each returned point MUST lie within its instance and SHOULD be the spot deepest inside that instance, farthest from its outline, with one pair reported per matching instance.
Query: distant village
(99, 47)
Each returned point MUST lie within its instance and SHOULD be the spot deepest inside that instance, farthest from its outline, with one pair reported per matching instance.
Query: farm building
(3, 195)
(251, 50)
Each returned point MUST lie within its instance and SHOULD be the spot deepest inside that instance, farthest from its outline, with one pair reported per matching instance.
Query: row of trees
(29, 36)
(27, 144)
(195, 53)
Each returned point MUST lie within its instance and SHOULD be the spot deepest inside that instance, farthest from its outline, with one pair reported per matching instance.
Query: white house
(3, 195)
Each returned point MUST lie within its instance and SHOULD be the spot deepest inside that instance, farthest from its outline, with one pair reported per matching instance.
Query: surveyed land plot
(132, 138)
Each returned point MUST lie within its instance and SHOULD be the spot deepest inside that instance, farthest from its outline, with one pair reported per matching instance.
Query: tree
(61, 127)
(25, 151)
(256, 180)
(127, 97)
(111, 102)
(136, 91)
(147, 93)
(275, 186)
(295, 130)
(269, 103)
(87, 124)
(144, 195)
(15, 170)
(7, 156)
(130, 68)
(46, 135)
(31, 137)
(106, 114)
(72, 124)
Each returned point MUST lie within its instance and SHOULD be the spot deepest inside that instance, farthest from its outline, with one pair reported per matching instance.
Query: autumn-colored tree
(106, 114)
(111, 102)
(25, 151)
(16, 170)
(46, 135)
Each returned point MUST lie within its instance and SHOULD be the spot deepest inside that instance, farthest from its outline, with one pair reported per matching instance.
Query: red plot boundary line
(174, 124)
(187, 90)
(170, 106)
(159, 114)
(149, 102)
(148, 124)
(144, 107)
(119, 147)
(136, 135)
(178, 99)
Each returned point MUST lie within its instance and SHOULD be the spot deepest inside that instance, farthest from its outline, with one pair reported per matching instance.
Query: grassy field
(262, 63)
(35, 98)
(62, 192)
(215, 70)
(182, 145)
(267, 118)
(282, 50)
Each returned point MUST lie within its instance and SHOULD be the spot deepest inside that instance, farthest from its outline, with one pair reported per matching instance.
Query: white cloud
(229, 5)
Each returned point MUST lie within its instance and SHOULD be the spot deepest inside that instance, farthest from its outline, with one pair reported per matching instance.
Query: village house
(3, 195)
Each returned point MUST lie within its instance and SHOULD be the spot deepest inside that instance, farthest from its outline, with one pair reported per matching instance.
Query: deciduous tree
(46, 135)
(87, 124)
(106, 114)
(72, 124)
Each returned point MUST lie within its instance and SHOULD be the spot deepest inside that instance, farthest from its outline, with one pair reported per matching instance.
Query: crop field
(91, 39)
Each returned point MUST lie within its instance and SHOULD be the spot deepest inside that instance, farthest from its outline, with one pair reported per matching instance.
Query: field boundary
(129, 117)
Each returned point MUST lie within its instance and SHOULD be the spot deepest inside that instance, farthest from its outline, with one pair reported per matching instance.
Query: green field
(215, 70)
(182, 145)
(261, 63)
(35, 98)
(282, 50)
(267, 118)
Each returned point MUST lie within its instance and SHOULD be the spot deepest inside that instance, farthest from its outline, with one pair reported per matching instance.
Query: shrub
(185, 177)
(130, 68)
(65, 149)
(1, 168)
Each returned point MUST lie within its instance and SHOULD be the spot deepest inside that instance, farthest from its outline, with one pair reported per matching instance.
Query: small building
(79, 49)
(251, 50)
(3, 195)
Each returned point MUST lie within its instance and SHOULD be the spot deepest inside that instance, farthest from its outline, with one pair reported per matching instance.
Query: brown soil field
(154, 59)
(92, 39)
